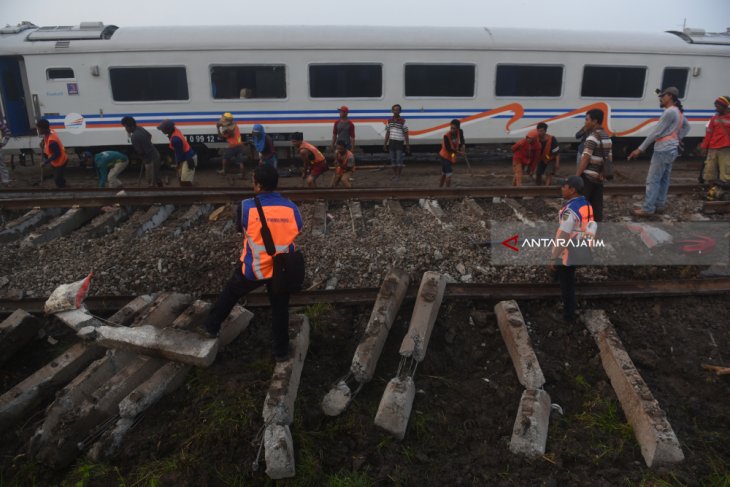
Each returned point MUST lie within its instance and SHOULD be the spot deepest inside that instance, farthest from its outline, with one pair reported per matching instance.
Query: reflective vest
(580, 207)
(318, 157)
(235, 139)
(546, 154)
(281, 218)
(53, 137)
(674, 134)
(177, 133)
(343, 163)
(449, 153)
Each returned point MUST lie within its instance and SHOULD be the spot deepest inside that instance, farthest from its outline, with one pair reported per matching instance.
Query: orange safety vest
(675, 133)
(449, 153)
(281, 221)
(177, 133)
(546, 154)
(53, 137)
(584, 210)
(235, 139)
(318, 157)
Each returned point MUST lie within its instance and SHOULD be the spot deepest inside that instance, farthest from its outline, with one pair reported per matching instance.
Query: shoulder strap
(265, 232)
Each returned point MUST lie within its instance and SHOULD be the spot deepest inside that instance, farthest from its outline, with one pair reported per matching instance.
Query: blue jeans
(396, 153)
(657, 180)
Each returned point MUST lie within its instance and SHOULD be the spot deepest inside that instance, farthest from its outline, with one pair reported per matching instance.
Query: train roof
(26, 39)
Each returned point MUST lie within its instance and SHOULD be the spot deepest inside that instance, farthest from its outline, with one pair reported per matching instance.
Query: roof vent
(700, 36)
(84, 31)
(63, 44)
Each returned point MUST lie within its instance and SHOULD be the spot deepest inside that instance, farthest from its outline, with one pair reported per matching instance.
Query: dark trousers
(237, 287)
(58, 176)
(566, 277)
(593, 192)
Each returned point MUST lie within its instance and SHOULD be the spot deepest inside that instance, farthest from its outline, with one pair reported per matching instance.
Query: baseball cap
(575, 182)
(343, 108)
(671, 90)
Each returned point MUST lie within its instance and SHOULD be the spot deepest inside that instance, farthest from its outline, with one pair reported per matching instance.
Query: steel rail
(364, 296)
(133, 197)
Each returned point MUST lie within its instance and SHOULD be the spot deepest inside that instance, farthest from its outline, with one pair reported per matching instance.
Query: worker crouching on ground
(526, 153)
(344, 165)
(185, 156)
(109, 165)
(262, 146)
(452, 145)
(53, 150)
(228, 130)
(576, 223)
(256, 266)
(314, 162)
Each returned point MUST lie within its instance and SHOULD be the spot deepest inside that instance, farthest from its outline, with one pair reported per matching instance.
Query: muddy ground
(205, 433)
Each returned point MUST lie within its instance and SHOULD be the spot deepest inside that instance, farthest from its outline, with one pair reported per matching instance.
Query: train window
(448, 80)
(60, 73)
(676, 77)
(345, 80)
(613, 81)
(149, 83)
(229, 82)
(528, 80)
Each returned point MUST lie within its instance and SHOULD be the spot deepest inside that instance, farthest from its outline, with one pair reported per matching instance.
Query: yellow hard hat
(228, 115)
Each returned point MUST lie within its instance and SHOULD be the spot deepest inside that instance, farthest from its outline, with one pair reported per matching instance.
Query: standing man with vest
(344, 130)
(185, 156)
(314, 162)
(452, 145)
(54, 152)
(668, 132)
(141, 141)
(256, 266)
(525, 153)
(344, 165)
(549, 155)
(717, 144)
(576, 223)
(597, 152)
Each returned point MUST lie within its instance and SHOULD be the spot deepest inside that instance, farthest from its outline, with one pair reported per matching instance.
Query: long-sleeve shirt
(55, 153)
(4, 133)
(104, 161)
(666, 125)
(142, 143)
(180, 154)
(717, 135)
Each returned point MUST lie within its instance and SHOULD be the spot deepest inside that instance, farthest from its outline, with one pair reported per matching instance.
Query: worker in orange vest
(549, 162)
(577, 227)
(53, 150)
(314, 162)
(185, 156)
(526, 153)
(344, 165)
(716, 144)
(228, 130)
(256, 266)
(452, 145)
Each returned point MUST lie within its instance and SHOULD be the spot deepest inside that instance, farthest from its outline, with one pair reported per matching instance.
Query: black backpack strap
(265, 232)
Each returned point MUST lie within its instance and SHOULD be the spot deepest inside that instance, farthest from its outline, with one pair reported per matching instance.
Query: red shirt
(525, 153)
(717, 135)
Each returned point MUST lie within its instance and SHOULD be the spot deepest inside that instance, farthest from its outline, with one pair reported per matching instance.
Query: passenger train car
(499, 82)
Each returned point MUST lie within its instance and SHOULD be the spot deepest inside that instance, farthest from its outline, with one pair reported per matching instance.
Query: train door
(13, 97)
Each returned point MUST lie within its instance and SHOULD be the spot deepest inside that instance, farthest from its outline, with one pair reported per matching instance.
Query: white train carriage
(499, 82)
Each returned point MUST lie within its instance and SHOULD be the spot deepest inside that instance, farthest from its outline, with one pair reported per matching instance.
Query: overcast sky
(632, 15)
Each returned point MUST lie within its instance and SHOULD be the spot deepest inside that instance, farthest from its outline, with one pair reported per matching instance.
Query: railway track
(361, 296)
(37, 198)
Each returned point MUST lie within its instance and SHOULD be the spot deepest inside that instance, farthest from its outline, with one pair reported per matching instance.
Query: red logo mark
(512, 239)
